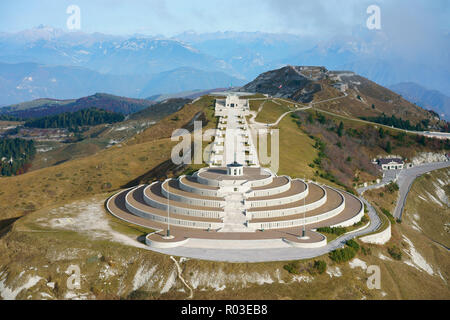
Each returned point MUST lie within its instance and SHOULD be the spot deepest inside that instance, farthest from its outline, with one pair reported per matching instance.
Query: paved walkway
(388, 177)
(281, 253)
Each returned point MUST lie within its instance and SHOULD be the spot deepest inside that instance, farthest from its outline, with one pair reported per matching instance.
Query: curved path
(406, 179)
(438, 135)
(253, 123)
(271, 254)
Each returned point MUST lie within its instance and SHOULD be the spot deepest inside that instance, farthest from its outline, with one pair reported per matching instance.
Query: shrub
(138, 295)
(335, 230)
(340, 129)
(352, 244)
(342, 255)
(292, 267)
(395, 252)
(320, 266)
(366, 251)
(388, 214)
(388, 147)
(392, 187)
(106, 186)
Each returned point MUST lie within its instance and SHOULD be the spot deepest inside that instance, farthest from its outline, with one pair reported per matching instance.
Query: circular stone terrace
(258, 210)
(229, 210)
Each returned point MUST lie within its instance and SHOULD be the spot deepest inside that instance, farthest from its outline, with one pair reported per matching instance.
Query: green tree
(340, 129)
(388, 147)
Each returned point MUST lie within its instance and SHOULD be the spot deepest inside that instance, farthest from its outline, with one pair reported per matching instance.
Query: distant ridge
(47, 107)
(342, 92)
(429, 99)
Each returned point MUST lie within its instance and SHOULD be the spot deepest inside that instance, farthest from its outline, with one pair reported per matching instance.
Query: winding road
(406, 178)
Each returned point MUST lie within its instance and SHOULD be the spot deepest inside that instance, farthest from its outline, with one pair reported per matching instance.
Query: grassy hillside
(428, 206)
(361, 98)
(66, 224)
(104, 136)
(106, 170)
(160, 110)
(114, 265)
(271, 111)
(337, 149)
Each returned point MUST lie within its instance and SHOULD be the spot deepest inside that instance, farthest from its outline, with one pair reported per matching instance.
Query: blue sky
(169, 17)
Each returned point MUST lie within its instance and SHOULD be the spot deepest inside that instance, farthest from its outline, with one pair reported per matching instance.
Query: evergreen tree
(340, 129)
(388, 147)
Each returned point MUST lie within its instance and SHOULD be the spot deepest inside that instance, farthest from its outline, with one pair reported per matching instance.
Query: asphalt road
(406, 179)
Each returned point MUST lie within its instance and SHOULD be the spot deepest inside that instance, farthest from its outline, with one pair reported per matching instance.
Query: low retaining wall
(122, 218)
(164, 245)
(290, 211)
(301, 221)
(270, 192)
(278, 201)
(307, 245)
(355, 219)
(199, 191)
(189, 200)
(262, 182)
(378, 238)
(173, 221)
(181, 210)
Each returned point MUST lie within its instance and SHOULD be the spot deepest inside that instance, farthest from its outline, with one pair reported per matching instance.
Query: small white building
(391, 164)
(235, 169)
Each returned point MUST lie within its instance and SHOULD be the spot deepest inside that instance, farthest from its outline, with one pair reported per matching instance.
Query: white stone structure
(234, 198)
(391, 164)
(378, 238)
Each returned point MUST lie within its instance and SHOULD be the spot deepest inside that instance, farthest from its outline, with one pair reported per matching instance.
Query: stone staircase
(234, 219)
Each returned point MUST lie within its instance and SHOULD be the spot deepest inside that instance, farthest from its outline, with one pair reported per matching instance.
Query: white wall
(378, 238)
(180, 210)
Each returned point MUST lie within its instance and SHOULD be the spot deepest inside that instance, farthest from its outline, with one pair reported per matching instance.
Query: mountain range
(52, 63)
(28, 81)
(426, 98)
